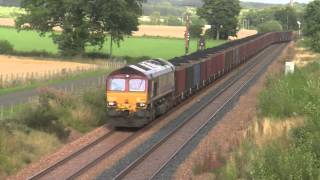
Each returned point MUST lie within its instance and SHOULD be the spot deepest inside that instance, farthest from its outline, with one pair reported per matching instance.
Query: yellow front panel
(127, 100)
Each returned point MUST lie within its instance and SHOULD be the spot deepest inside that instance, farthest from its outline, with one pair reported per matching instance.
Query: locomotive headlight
(112, 103)
(141, 104)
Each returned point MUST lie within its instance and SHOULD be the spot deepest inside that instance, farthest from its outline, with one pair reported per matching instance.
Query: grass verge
(45, 125)
(286, 143)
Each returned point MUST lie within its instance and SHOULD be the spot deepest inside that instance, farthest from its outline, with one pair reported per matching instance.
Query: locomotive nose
(127, 101)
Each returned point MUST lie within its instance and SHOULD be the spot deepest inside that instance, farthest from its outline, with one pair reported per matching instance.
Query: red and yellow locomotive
(136, 94)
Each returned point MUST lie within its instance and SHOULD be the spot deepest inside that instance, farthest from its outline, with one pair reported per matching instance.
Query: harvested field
(242, 33)
(7, 22)
(162, 31)
(21, 66)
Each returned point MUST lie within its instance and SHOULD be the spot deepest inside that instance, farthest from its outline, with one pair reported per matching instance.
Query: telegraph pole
(187, 34)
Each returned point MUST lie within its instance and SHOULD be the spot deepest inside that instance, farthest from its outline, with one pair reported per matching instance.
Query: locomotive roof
(153, 68)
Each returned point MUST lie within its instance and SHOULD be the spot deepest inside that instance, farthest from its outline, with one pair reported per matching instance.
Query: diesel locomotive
(137, 94)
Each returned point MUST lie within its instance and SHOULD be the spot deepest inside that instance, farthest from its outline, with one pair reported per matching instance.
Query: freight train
(137, 94)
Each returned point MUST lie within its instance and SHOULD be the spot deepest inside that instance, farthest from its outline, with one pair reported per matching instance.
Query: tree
(312, 24)
(221, 15)
(195, 30)
(269, 26)
(82, 22)
(196, 27)
(155, 18)
(256, 17)
(287, 17)
(174, 21)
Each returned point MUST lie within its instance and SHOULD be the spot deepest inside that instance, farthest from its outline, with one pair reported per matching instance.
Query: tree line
(9, 3)
(286, 16)
(91, 22)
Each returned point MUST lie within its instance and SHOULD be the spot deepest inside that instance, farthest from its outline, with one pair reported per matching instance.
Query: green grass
(10, 112)
(292, 93)
(295, 154)
(30, 131)
(41, 83)
(27, 40)
(19, 147)
(132, 46)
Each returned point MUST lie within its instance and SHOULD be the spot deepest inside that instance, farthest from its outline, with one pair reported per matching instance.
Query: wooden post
(11, 110)
(1, 113)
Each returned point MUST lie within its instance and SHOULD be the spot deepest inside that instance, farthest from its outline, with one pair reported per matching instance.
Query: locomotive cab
(136, 93)
(127, 92)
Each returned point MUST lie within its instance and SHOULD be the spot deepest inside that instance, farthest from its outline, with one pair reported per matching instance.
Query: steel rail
(43, 172)
(212, 117)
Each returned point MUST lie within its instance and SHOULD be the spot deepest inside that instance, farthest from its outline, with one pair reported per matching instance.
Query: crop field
(155, 47)
(20, 65)
(162, 31)
(7, 22)
(18, 71)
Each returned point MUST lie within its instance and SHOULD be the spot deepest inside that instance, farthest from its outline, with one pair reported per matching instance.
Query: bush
(95, 55)
(35, 54)
(19, 147)
(311, 22)
(43, 126)
(315, 42)
(96, 100)
(6, 47)
(195, 30)
(276, 162)
(269, 26)
(293, 95)
(174, 21)
(45, 117)
(295, 155)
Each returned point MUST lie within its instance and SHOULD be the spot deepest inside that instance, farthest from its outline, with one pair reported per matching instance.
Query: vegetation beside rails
(135, 47)
(43, 126)
(285, 143)
(36, 83)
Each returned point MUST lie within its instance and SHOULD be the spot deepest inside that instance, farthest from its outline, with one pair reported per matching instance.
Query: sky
(278, 1)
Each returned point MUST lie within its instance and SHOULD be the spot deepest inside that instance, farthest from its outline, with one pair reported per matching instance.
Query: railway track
(58, 169)
(151, 163)
(83, 158)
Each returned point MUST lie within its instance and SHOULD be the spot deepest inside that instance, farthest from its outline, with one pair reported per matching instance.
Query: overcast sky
(278, 1)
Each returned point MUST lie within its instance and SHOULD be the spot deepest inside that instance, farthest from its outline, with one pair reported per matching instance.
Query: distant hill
(198, 3)
(255, 5)
(179, 3)
(194, 3)
(9, 3)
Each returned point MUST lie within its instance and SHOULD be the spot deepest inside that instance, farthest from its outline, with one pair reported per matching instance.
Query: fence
(9, 112)
(12, 80)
